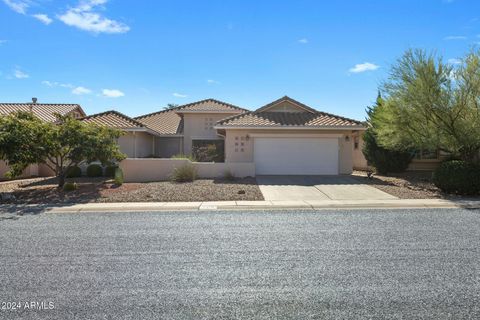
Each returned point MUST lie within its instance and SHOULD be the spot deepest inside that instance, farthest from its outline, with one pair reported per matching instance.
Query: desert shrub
(110, 171)
(185, 173)
(458, 177)
(118, 176)
(94, 170)
(384, 160)
(184, 156)
(229, 175)
(70, 186)
(73, 172)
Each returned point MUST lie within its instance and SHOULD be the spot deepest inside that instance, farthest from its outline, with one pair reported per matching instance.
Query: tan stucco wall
(31, 171)
(145, 170)
(359, 161)
(233, 141)
(144, 144)
(196, 127)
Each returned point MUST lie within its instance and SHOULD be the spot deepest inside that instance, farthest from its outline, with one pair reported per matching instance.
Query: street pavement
(291, 264)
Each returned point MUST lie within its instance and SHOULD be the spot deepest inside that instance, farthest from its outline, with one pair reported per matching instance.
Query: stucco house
(46, 112)
(169, 132)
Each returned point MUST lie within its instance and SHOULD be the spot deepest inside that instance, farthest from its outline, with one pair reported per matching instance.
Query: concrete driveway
(317, 188)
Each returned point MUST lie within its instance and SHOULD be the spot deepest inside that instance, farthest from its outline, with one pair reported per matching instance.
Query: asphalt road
(390, 264)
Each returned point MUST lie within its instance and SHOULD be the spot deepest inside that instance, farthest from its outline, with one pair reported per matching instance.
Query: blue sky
(137, 56)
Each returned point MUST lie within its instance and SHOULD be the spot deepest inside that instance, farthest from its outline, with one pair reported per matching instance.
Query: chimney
(34, 100)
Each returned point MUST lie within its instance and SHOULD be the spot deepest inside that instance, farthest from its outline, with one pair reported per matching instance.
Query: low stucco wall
(31, 171)
(148, 169)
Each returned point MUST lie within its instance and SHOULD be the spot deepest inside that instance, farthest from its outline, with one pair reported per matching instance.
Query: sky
(138, 56)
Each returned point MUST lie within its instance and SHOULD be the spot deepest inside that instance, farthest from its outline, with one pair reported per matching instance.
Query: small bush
(70, 186)
(110, 171)
(73, 172)
(185, 173)
(94, 170)
(118, 177)
(458, 177)
(229, 175)
(184, 156)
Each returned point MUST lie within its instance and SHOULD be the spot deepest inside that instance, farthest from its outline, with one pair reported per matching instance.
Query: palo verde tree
(382, 159)
(432, 104)
(25, 139)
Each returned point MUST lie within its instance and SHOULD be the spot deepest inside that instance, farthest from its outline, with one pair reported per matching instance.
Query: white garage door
(296, 156)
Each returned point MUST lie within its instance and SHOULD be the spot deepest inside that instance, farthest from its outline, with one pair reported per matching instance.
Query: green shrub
(185, 173)
(118, 176)
(184, 156)
(384, 160)
(229, 175)
(110, 171)
(94, 170)
(73, 172)
(457, 176)
(70, 186)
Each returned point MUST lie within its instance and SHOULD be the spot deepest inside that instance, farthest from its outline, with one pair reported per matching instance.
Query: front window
(208, 150)
(425, 154)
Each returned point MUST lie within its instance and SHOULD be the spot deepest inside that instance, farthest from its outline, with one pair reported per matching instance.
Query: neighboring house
(46, 112)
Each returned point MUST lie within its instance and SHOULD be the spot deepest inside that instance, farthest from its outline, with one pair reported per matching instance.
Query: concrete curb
(244, 205)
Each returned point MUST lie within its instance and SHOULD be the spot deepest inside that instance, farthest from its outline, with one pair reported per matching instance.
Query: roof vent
(34, 100)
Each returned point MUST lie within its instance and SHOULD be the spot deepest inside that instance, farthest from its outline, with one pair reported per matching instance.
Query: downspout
(134, 144)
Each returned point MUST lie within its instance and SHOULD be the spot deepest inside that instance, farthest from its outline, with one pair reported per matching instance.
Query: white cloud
(81, 90)
(85, 18)
(20, 74)
(211, 81)
(362, 67)
(448, 38)
(303, 41)
(112, 93)
(2, 42)
(57, 84)
(179, 95)
(43, 18)
(17, 5)
(454, 61)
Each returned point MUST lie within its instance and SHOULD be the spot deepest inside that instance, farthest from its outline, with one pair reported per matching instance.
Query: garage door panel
(301, 156)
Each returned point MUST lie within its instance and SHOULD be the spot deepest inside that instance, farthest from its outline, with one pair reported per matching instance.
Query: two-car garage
(296, 155)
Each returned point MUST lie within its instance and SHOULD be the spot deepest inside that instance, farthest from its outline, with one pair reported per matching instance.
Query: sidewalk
(244, 205)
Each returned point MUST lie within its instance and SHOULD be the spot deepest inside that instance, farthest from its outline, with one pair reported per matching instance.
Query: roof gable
(114, 119)
(286, 104)
(44, 111)
(208, 106)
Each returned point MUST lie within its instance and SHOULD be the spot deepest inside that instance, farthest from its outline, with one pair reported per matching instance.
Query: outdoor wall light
(347, 138)
(247, 137)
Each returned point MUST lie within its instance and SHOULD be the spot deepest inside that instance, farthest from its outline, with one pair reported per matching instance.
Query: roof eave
(354, 127)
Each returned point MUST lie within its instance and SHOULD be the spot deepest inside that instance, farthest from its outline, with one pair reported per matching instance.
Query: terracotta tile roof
(210, 105)
(165, 122)
(169, 122)
(113, 119)
(45, 111)
(310, 118)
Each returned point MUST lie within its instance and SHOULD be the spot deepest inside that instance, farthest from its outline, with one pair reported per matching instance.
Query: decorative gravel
(44, 190)
(199, 190)
(408, 185)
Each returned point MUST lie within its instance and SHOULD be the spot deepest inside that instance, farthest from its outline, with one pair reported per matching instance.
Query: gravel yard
(44, 190)
(407, 185)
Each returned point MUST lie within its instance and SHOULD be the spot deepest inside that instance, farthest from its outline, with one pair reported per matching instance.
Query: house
(169, 132)
(286, 137)
(46, 112)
